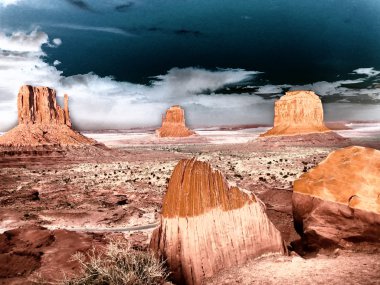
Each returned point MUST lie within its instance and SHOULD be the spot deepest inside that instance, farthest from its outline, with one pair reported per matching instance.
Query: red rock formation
(42, 121)
(327, 139)
(297, 112)
(38, 105)
(207, 226)
(173, 124)
(30, 251)
(66, 111)
(339, 200)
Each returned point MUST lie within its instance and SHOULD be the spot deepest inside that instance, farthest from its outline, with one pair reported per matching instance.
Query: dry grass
(118, 264)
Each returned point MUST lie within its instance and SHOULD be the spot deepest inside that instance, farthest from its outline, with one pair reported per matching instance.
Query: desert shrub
(118, 264)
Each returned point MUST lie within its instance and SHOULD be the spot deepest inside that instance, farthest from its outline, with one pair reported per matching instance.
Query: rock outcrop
(207, 226)
(32, 251)
(297, 112)
(41, 121)
(339, 200)
(173, 124)
(327, 139)
(38, 105)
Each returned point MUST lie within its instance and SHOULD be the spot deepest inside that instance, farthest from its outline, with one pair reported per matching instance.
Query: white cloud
(23, 42)
(111, 30)
(351, 112)
(57, 42)
(195, 80)
(324, 88)
(271, 89)
(8, 2)
(101, 102)
(40, 4)
(104, 103)
(366, 71)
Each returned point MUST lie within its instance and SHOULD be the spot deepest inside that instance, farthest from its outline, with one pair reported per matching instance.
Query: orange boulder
(207, 226)
(173, 124)
(339, 200)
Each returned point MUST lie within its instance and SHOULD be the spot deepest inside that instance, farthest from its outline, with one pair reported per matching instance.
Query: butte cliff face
(38, 105)
(173, 124)
(339, 200)
(41, 121)
(297, 112)
(207, 226)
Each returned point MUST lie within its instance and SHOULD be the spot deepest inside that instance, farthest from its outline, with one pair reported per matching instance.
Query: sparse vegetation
(118, 264)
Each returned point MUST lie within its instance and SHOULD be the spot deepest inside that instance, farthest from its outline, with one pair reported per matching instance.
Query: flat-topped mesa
(297, 112)
(207, 226)
(41, 121)
(339, 200)
(38, 105)
(173, 124)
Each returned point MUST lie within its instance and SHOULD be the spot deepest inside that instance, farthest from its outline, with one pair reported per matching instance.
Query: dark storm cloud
(154, 29)
(178, 32)
(79, 4)
(124, 7)
(186, 32)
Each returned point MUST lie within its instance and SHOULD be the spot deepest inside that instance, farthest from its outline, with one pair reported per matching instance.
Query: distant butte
(208, 226)
(41, 121)
(297, 113)
(173, 124)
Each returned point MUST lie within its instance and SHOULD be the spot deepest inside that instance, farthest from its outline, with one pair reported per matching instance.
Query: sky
(124, 62)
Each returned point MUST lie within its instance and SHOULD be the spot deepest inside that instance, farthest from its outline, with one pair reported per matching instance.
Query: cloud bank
(104, 103)
(101, 102)
(8, 2)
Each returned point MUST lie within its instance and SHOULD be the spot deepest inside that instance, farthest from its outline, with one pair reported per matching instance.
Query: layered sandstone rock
(66, 111)
(339, 200)
(297, 112)
(173, 124)
(207, 226)
(42, 121)
(38, 105)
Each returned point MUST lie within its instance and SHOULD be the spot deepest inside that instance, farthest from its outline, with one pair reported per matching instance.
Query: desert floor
(120, 193)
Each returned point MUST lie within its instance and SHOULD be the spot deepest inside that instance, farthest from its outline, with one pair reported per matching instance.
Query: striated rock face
(42, 121)
(173, 124)
(207, 226)
(297, 112)
(38, 105)
(66, 110)
(339, 200)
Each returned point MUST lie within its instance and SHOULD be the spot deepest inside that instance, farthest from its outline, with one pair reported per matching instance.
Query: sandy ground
(203, 136)
(341, 268)
(125, 188)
